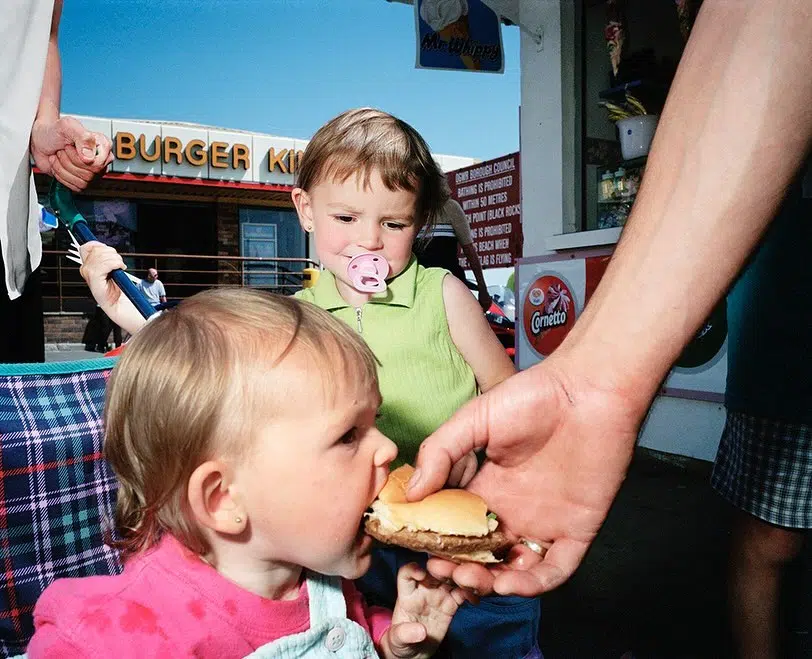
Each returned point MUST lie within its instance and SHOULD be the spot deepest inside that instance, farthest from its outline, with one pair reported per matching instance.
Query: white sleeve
(455, 216)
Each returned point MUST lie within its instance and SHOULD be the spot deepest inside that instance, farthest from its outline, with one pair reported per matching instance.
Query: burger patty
(449, 546)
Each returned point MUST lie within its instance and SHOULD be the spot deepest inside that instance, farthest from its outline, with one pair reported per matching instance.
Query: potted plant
(635, 125)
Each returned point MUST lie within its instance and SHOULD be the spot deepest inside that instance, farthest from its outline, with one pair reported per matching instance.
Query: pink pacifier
(367, 272)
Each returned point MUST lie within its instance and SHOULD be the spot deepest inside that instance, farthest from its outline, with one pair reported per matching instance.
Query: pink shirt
(169, 603)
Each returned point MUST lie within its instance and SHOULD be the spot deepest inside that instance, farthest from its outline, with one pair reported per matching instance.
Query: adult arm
(462, 230)
(61, 146)
(473, 337)
(483, 296)
(734, 131)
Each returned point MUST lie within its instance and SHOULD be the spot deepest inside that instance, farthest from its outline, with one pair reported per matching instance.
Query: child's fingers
(112, 262)
(90, 246)
(100, 259)
(404, 636)
(409, 576)
(462, 595)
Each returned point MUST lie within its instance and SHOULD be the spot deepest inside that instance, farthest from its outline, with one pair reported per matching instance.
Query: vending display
(551, 293)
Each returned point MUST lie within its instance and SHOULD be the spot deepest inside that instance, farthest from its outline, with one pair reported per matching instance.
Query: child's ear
(210, 495)
(301, 200)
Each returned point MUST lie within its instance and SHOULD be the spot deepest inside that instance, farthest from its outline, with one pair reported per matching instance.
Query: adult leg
(759, 554)
(117, 335)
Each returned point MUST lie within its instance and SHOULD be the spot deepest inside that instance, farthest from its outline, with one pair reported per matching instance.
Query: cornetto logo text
(543, 321)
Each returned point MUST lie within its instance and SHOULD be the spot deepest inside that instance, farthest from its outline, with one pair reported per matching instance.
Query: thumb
(461, 434)
(84, 141)
(404, 636)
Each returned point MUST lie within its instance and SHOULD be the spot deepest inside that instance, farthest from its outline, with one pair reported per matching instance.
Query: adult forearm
(50, 96)
(475, 265)
(734, 131)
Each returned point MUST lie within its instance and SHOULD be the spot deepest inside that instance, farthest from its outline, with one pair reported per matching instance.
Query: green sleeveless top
(423, 377)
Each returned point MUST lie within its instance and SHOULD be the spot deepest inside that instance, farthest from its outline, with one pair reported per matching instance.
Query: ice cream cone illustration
(459, 30)
(449, 19)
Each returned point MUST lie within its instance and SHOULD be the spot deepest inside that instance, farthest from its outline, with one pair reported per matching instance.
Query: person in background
(97, 332)
(764, 464)
(438, 248)
(31, 126)
(153, 288)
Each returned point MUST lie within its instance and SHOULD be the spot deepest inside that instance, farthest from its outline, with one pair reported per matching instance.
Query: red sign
(548, 313)
(490, 194)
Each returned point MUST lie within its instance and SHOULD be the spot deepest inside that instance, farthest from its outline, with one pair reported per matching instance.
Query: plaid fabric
(764, 467)
(56, 491)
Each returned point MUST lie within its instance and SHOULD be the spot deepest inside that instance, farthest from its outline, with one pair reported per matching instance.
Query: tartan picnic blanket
(57, 493)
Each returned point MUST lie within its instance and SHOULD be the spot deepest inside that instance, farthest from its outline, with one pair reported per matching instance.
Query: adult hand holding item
(559, 436)
(68, 151)
(62, 146)
(558, 447)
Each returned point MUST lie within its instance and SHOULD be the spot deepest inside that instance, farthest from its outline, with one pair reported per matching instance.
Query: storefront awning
(170, 188)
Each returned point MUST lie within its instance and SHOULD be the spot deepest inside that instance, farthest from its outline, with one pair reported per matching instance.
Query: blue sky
(278, 66)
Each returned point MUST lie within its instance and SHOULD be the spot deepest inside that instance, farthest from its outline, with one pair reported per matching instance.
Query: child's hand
(98, 261)
(463, 471)
(422, 615)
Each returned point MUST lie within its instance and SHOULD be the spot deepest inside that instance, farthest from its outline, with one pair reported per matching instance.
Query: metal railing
(182, 275)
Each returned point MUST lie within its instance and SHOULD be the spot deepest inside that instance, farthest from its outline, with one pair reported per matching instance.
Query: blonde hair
(361, 141)
(188, 388)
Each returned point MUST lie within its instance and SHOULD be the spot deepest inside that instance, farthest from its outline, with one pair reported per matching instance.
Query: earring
(309, 228)
(238, 519)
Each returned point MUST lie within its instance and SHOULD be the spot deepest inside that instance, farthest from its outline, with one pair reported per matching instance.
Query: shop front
(204, 206)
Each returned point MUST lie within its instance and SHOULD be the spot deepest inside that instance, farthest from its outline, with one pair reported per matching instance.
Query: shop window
(627, 47)
(270, 233)
(258, 241)
(113, 221)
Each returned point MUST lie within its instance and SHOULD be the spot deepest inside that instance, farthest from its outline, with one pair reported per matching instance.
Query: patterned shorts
(764, 467)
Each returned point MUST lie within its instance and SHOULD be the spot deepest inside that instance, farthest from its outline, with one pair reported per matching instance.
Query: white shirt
(154, 291)
(25, 28)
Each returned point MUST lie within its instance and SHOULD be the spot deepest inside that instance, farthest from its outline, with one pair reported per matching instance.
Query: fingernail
(88, 152)
(414, 480)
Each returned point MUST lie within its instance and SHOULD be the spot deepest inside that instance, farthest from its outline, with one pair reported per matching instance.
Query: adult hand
(485, 299)
(68, 151)
(557, 448)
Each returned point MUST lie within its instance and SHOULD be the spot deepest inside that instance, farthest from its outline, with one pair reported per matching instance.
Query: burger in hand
(453, 524)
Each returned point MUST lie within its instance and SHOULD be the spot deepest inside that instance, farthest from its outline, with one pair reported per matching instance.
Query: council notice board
(490, 194)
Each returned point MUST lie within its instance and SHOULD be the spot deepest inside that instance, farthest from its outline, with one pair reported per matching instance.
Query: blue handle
(61, 202)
